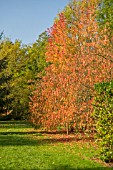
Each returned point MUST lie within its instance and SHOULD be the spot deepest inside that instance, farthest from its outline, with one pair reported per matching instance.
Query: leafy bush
(103, 114)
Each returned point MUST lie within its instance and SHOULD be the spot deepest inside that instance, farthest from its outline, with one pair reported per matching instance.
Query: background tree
(20, 66)
(4, 75)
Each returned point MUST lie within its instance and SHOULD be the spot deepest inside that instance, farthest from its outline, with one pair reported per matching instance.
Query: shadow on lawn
(32, 138)
(20, 133)
(15, 126)
(66, 167)
(15, 140)
(14, 122)
(10, 140)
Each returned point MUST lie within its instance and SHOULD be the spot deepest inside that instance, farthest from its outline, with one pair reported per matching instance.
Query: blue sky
(26, 19)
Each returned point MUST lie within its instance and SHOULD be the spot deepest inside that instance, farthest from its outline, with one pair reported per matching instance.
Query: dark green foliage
(5, 76)
(103, 114)
(20, 67)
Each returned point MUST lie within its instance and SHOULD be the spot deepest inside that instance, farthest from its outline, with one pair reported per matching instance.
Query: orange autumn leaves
(79, 58)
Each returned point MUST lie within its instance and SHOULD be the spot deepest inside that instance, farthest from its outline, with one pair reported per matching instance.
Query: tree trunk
(67, 129)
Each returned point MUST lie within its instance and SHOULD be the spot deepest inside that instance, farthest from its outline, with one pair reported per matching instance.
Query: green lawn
(22, 148)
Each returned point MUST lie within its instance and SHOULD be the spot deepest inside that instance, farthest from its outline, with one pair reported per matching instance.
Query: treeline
(19, 68)
(53, 81)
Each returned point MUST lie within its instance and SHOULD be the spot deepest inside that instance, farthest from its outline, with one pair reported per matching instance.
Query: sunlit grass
(22, 148)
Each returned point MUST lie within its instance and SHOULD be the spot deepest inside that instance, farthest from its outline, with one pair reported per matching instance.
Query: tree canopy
(78, 52)
(19, 68)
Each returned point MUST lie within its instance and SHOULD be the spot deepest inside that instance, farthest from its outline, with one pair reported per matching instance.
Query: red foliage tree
(59, 85)
(79, 57)
(93, 57)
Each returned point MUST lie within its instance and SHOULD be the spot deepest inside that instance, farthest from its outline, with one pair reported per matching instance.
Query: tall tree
(20, 66)
(78, 52)
(5, 76)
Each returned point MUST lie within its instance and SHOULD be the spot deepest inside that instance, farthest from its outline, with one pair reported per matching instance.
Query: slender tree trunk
(67, 129)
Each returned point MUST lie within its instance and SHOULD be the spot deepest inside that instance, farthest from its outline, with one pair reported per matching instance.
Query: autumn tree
(80, 55)
(93, 56)
(54, 103)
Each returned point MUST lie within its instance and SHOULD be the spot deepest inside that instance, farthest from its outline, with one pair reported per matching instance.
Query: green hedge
(103, 115)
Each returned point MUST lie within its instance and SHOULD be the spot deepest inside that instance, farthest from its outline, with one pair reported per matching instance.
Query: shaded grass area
(23, 148)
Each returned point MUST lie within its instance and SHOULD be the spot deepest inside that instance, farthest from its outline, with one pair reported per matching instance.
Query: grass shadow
(10, 140)
(66, 167)
(21, 133)
(14, 122)
(15, 139)
(19, 126)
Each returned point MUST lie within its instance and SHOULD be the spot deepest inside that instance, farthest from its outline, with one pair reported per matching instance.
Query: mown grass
(22, 148)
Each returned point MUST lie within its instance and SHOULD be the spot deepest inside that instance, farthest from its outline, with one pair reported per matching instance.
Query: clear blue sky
(26, 19)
